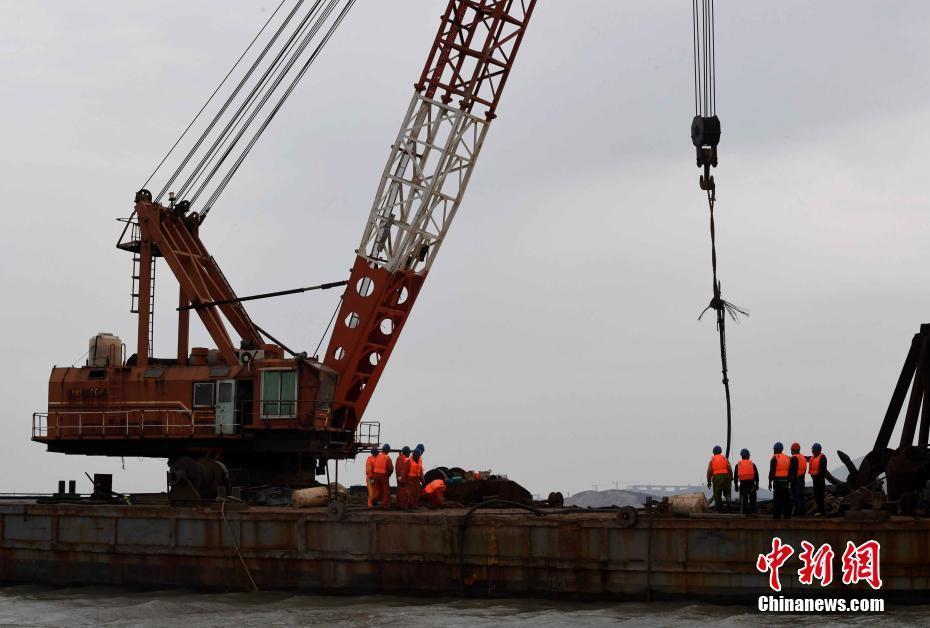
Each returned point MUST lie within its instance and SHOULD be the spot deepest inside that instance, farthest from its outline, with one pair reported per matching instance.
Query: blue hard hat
(374, 451)
(778, 446)
(420, 447)
(385, 447)
(405, 450)
(718, 449)
(743, 453)
(816, 447)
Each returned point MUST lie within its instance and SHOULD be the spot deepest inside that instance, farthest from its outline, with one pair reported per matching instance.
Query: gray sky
(556, 340)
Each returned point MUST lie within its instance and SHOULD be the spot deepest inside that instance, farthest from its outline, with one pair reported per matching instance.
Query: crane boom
(421, 188)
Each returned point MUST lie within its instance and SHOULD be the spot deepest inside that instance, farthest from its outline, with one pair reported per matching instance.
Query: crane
(250, 406)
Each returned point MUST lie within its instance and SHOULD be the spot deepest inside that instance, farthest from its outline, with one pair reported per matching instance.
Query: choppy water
(99, 606)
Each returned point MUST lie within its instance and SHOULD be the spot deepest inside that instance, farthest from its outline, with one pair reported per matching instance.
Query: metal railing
(136, 422)
(274, 409)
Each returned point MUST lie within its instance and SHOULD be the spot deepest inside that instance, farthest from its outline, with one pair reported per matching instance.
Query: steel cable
(705, 58)
(215, 91)
(266, 94)
(697, 80)
(230, 98)
(262, 82)
(316, 352)
(257, 90)
(705, 96)
(261, 129)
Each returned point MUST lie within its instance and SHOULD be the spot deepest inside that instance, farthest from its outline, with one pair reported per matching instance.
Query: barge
(558, 553)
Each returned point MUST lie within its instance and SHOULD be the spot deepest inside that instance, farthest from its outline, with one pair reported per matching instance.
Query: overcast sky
(556, 340)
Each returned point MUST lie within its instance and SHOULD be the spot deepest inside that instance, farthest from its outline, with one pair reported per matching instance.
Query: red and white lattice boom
(421, 188)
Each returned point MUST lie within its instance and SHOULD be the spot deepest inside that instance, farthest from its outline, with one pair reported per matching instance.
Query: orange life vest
(745, 471)
(802, 464)
(380, 465)
(414, 469)
(782, 463)
(815, 464)
(370, 466)
(719, 465)
(400, 466)
(436, 486)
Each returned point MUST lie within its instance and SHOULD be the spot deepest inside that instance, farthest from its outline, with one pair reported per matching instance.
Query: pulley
(705, 132)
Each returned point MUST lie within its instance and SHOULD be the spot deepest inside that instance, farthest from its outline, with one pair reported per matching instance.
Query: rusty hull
(584, 555)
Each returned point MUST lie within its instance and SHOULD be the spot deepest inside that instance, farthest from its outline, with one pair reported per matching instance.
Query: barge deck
(499, 553)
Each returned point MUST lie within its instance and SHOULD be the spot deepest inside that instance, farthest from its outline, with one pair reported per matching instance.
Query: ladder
(136, 279)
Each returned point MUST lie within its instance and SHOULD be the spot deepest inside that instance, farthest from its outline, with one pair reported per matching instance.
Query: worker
(779, 472)
(818, 471)
(383, 468)
(369, 477)
(719, 474)
(796, 481)
(400, 470)
(421, 449)
(414, 480)
(746, 479)
(434, 492)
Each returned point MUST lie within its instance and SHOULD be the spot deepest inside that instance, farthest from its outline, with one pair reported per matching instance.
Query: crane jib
(421, 189)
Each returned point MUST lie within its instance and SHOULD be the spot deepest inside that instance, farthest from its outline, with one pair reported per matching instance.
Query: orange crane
(250, 407)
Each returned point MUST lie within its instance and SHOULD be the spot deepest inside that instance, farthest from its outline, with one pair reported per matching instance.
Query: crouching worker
(435, 491)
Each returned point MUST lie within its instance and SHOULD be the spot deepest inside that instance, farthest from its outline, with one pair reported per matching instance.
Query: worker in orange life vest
(434, 492)
(414, 481)
(746, 479)
(779, 473)
(369, 477)
(381, 475)
(400, 470)
(719, 474)
(818, 471)
(796, 480)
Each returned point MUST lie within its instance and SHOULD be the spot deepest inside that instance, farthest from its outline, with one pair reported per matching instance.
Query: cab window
(279, 394)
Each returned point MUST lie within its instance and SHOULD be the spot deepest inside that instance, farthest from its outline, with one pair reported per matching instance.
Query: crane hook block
(705, 131)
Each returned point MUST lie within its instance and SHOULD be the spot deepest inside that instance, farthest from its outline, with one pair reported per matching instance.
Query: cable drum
(627, 517)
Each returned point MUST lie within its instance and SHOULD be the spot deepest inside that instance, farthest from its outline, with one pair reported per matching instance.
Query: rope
(232, 536)
(722, 309)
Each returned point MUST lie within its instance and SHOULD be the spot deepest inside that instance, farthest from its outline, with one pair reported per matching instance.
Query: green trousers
(721, 484)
